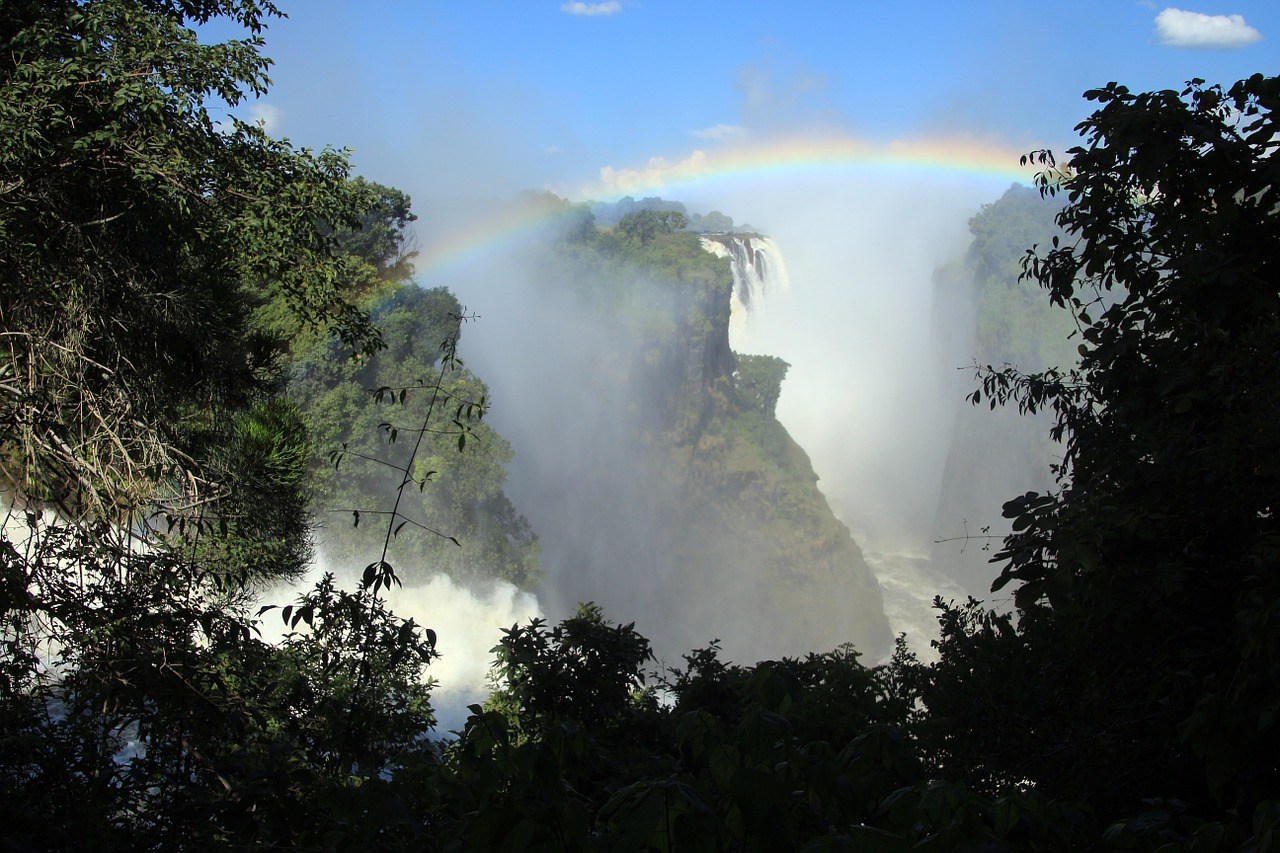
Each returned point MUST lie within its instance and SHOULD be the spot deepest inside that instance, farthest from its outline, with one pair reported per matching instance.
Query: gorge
(636, 387)
(648, 456)
(589, 525)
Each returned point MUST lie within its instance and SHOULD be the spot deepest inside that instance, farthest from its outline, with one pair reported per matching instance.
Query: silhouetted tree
(1143, 661)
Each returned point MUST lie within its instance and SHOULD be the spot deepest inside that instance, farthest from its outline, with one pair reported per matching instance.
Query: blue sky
(450, 99)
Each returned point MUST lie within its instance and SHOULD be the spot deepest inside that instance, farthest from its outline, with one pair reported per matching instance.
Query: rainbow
(496, 231)
(937, 160)
(818, 156)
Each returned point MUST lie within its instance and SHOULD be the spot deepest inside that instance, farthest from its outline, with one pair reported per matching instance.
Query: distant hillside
(995, 319)
(459, 520)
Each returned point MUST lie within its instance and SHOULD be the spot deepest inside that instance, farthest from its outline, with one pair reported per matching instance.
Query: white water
(908, 582)
(468, 624)
(759, 274)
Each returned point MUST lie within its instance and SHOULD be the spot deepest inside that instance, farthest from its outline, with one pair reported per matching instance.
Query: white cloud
(1177, 28)
(654, 174)
(552, 149)
(721, 132)
(611, 7)
(266, 116)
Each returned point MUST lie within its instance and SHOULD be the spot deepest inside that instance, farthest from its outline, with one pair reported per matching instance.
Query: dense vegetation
(1146, 580)
(155, 470)
(458, 520)
(608, 214)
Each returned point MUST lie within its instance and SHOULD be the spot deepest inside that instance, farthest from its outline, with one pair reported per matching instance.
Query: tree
(1146, 584)
(713, 222)
(585, 669)
(151, 261)
(758, 381)
(473, 532)
(644, 225)
(379, 236)
(137, 235)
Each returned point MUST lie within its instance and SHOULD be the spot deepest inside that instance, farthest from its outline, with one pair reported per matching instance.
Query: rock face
(994, 318)
(686, 505)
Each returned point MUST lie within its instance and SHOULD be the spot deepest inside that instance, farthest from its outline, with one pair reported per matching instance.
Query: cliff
(992, 318)
(695, 512)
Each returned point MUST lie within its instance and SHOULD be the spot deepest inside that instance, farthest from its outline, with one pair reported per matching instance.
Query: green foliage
(569, 221)
(643, 226)
(378, 237)
(758, 382)
(362, 412)
(1146, 582)
(807, 753)
(584, 669)
(149, 717)
(715, 221)
(609, 214)
(261, 530)
(156, 266)
(123, 199)
(353, 685)
(420, 438)
(655, 290)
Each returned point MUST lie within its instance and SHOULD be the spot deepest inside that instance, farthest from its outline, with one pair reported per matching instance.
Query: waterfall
(758, 275)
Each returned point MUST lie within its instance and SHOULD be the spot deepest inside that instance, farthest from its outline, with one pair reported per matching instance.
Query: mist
(878, 370)
(579, 474)
(871, 396)
(880, 364)
(468, 621)
(469, 624)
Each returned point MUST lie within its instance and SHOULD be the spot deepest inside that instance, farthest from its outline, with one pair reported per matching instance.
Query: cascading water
(758, 275)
